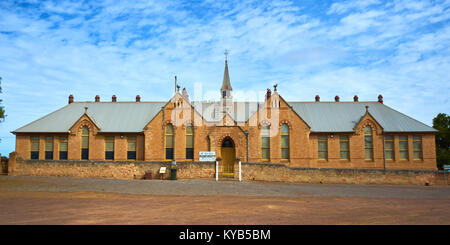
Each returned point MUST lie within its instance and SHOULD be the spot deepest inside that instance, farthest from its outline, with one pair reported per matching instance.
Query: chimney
(138, 98)
(114, 98)
(355, 98)
(336, 98)
(185, 94)
(317, 98)
(97, 98)
(380, 98)
(70, 99)
(268, 94)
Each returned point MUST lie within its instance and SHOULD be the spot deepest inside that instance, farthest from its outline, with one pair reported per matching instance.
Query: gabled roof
(343, 116)
(133, 116)
(109, 117)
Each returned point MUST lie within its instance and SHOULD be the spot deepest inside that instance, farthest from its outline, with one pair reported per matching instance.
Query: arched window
(85, 143)
(368, 143)
(169, 142)
(189, 142)
(285, 141)
(265, 142)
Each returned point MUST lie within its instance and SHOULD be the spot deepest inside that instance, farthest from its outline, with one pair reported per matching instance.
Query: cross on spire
(226, 54)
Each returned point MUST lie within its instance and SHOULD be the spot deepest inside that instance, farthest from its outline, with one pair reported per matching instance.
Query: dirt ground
(51, 200)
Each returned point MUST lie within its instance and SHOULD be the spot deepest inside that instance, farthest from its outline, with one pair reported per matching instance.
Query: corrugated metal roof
(109, 116)
(133, 116)
(343, 116)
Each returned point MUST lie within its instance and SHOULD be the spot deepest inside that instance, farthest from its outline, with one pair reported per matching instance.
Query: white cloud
(126, 48)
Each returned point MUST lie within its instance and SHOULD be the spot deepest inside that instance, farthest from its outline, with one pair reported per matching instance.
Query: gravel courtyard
(60, 200)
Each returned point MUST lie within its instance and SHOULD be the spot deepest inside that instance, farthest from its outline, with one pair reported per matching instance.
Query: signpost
(446, 170)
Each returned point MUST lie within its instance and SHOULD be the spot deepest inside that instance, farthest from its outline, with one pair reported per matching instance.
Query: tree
(2, 110)
(442, 123)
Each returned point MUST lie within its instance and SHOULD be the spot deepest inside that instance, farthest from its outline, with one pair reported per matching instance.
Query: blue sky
(50, 49)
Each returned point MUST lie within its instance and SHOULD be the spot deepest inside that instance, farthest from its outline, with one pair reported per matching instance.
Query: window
(345, 149)
(224, 94)
(34, 148)
(48, 148)
(131, 148)
(417, 147)
(109, 148)
(189, 142)
(285, 141)
(85, 143)
(323, 147)
(389, 147)
(403, 147)
(169, 142)
(63, 148)
(368, 143)
(265, 142)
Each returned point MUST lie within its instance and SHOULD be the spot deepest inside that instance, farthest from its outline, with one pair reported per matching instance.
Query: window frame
(109, 139)
(322, 139)
(172, 135)
(63, 139)
(33, 155)
(346, 141)
(389, 141)
(371, 148)
(85, 150)
(421, 147)
(264, 135)
(284, 134)
(191, 149)
(132, 139)
(403, 139)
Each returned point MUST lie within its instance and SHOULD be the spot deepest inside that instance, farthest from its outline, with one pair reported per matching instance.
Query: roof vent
(70, 99)
(97, 98)
(355, 98)
(114, 98)
(336, 98)
(138, 98)
(317, 98)
(380, 98)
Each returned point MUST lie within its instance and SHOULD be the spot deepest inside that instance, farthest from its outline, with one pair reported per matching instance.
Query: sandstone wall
(192, 170)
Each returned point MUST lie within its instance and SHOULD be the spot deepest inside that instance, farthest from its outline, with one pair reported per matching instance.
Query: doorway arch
(228, 153)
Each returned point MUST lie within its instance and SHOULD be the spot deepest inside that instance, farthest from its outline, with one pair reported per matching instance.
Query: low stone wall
(280, 172)
(250, 171)
(109, 169)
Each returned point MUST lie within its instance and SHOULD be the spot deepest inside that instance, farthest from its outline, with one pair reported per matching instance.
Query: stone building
(337, 134)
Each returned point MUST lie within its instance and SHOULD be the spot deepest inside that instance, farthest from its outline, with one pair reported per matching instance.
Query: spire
(226, 85)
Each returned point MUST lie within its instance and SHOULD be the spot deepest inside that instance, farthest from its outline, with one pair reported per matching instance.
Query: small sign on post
(446, 170)
(162, 171)
(207, 156)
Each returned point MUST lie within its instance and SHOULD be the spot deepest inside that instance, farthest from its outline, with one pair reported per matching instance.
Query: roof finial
(367, 109)
(85, 109)
(275, 87)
